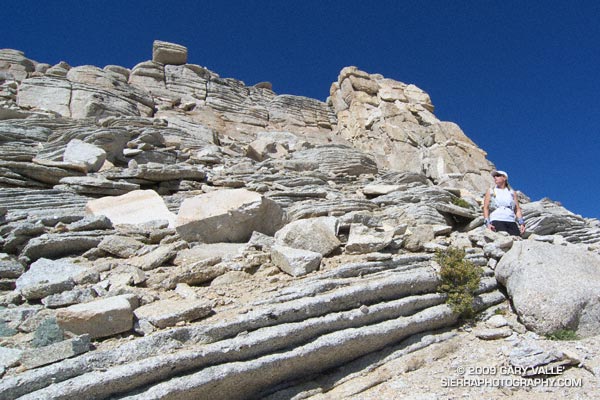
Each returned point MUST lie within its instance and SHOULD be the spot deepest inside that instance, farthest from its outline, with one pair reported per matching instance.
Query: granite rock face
(408, 135)
(336, 209)
(550, 294)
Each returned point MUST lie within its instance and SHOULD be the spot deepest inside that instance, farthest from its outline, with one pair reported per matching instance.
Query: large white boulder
(553, 287)
(136, 207)
(229, 215)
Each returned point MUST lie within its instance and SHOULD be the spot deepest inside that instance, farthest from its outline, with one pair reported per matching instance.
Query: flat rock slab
(166, 313)
(100, 318)
(205, 251)
(553, 287)
(135, 207)
(55, 352)
(46, 277)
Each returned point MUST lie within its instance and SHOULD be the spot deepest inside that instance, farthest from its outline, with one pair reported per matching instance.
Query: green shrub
(457, 201)
(459, 280)
(500, 311)
(563, 334)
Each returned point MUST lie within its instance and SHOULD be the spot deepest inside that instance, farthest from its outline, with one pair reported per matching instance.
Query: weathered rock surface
(410, 137)
(131, 208)
(312, 234)
(295, 262)
(166, 313)
(549, 293)
(89, 155)
(99, 318)
(168, 53)
(45, 277)
(229, 215)
(359, 192)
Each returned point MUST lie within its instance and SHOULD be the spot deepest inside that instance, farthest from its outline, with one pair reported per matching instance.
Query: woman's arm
(486, 210)
(519, 214)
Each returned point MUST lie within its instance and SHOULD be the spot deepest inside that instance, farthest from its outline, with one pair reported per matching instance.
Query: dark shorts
(511, 227)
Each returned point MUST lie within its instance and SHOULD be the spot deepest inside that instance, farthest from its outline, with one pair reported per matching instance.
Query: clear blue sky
(521, 78)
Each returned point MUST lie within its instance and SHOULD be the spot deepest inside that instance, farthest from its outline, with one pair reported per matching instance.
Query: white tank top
(504, 203)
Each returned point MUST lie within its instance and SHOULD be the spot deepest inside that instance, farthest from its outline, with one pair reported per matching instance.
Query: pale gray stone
(364, 240)
(229, 215)
(68, 298)
(95, 186)
(165, 313)
(493, 333)
(55, 245)
(120, 246)
(295, 262)
(10, 267)
(55, 352)
(230, 277)
(9, 357)
(333, 160)
(312, 234)
(78, 151)
(45, 277)
(375, 190)
(99, 318)
(206, 251)
(132, 208)
(90, 223)
(157, 257)
(496, 321)
(168, 53)
(528, 354)
(419, 235)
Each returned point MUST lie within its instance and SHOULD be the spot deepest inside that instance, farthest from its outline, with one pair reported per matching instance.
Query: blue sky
(521, 78)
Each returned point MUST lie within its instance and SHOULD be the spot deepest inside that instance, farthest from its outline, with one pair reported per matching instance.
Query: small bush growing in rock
(563, 334)
(460, 280)
(457, 201)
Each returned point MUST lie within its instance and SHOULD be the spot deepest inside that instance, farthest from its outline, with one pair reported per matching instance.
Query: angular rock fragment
(295, 262)
(135, 207)
(364, 240)
(120, 246)
(46, 277)
(91, 156)
(312, 234)
(229, 215)
(55, 352)
(166, 313)
(99, 318)
(168, 53)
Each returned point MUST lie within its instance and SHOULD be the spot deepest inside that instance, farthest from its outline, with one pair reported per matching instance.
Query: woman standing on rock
(502, 202)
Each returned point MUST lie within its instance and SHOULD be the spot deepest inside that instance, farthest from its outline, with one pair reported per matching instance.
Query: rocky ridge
(122, 191)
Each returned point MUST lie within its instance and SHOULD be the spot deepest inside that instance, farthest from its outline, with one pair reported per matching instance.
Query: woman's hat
(496, 173)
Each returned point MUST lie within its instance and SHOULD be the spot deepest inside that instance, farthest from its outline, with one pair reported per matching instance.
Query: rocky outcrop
(336, 209)
(548, 294)
(395, 122)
